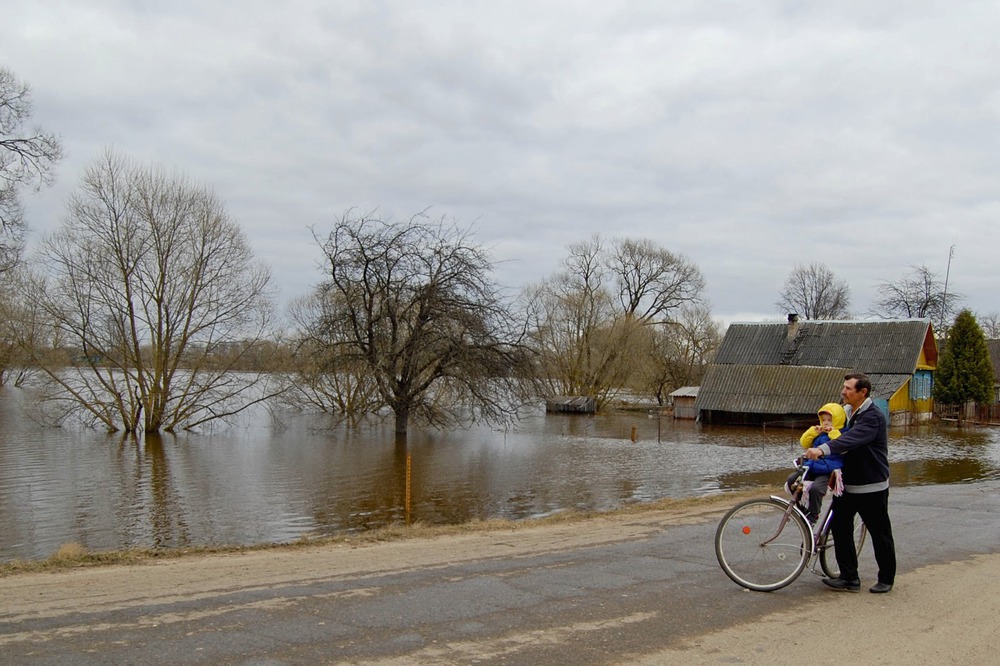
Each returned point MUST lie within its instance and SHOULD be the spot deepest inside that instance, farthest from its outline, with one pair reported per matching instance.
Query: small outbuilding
(683, 400)
(570, 404)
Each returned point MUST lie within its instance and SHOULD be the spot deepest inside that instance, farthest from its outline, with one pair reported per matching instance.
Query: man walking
(866, 488)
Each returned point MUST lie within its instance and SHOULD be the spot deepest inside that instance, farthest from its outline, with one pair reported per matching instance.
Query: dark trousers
(873, 508)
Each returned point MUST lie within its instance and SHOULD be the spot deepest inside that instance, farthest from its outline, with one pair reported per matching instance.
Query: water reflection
(293, 476)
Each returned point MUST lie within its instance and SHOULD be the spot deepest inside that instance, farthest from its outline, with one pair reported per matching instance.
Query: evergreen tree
(964, 371)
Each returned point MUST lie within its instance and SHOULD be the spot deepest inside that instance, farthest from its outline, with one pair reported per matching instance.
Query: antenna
(944, 298)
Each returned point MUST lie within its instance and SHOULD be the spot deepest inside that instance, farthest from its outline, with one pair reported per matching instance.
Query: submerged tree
(593, 324)
(410, 308)
(320, 377)
(27, 157)
(154, 291)
(814, 292)
(964, 372)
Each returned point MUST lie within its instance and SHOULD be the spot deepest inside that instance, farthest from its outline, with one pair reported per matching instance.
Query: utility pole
(944, 298)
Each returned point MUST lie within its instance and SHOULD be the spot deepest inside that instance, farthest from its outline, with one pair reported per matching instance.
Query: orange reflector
(746, 529)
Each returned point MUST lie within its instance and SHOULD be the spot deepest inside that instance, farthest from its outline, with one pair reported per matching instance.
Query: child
(831, 423)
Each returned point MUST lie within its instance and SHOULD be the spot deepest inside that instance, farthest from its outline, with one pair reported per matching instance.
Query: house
(683, 400)
(780, 374)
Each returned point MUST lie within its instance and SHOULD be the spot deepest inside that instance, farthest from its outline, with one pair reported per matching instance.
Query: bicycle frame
(793, 505)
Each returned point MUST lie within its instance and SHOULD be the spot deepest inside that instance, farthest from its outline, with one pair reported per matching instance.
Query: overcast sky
(748, 136)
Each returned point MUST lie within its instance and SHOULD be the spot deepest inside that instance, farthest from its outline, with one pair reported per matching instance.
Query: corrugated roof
(872, 347)
(884, 386)
(781, 389)
(769, 389)
(685, 392)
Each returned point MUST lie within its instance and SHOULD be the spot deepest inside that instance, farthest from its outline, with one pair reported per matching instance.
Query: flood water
(281, 479)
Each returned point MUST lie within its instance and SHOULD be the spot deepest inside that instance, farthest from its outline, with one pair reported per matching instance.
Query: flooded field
(276, 479)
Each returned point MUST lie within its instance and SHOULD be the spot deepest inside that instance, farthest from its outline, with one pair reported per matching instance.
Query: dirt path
(942, 614)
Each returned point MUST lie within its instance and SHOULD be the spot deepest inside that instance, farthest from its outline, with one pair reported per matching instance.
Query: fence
(971, 413)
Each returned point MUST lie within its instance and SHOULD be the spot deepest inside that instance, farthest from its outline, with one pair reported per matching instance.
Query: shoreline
(72, 556)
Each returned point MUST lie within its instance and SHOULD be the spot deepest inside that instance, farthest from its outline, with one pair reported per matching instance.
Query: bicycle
(765, 544)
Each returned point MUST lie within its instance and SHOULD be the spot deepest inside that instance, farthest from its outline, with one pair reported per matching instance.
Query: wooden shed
(570, 404)
(683, 400)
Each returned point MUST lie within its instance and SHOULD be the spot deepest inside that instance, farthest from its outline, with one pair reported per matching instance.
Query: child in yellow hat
(832, 419)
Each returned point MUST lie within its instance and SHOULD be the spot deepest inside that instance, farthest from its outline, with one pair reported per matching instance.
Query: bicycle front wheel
(760, 547)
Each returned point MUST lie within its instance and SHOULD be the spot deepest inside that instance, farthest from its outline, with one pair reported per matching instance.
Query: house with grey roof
(780, 374)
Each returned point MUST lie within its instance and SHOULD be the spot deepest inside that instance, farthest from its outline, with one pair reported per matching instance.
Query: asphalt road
(594, 604)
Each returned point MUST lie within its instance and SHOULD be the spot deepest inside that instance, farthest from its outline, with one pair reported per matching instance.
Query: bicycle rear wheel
(827, 556)
(756, 550)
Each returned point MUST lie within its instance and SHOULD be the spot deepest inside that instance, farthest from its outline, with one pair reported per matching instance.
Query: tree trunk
(402, 420)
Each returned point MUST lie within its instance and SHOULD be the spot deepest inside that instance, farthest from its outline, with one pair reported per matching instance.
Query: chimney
(793, 326)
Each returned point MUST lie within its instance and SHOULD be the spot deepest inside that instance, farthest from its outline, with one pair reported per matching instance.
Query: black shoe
(880, 588)
(842, 585)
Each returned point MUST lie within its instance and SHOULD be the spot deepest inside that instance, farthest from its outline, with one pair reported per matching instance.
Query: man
(866, 488)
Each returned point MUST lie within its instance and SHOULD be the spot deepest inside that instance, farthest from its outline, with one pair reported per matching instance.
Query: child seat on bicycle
(832, 419)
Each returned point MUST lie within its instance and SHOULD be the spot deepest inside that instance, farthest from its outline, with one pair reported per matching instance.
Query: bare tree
(412, 307)
(15, 323)
(320, 377)
(682, 350)
(583, 347)
(920, 294)
(27, 157)
(651, 281)
(154, 291)
(990, 324)
(814, 292)
(590, 322)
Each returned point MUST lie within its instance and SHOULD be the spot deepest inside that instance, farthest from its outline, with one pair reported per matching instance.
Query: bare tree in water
(410, 309)
(153, 292)
(593, 324)
(27, 157)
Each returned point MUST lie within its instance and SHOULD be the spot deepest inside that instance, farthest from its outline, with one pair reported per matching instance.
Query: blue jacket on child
(812, 437)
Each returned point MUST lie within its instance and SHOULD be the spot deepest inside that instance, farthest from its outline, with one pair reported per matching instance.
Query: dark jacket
(865, 447)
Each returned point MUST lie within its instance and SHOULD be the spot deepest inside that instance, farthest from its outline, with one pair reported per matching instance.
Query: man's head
(857, 387)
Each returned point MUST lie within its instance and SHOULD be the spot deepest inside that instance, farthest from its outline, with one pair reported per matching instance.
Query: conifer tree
(964, 372)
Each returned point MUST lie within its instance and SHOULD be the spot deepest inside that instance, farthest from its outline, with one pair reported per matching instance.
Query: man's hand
(814, 453)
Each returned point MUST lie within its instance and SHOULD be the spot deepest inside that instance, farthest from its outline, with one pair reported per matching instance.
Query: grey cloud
(749, 136)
